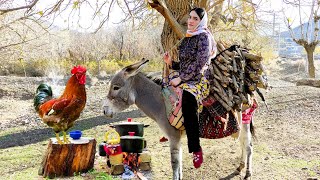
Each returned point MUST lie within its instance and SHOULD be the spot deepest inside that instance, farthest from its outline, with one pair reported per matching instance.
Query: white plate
(82, 140)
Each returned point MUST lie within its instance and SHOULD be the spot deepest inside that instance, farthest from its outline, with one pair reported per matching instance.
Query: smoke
(56, 80)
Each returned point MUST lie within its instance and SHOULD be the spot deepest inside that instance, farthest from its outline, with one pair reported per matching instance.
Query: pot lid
(129, 123)
(131, 137)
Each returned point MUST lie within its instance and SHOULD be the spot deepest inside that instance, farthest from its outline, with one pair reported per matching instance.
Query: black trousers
(190, 115)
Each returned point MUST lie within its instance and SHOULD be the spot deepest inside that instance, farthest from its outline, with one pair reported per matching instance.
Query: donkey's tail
(253, 130)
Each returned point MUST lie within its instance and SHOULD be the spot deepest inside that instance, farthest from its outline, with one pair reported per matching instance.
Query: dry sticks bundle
(236, 74)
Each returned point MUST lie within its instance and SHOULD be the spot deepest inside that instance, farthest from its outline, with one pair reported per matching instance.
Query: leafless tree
(224, 14)
(308, 40)
(140, 12)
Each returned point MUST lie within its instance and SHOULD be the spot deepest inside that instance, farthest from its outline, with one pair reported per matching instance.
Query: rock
(308, 82)
(312, 178)
(25, 121)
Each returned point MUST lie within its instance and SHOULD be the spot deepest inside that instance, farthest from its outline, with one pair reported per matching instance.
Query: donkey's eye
(116, 88)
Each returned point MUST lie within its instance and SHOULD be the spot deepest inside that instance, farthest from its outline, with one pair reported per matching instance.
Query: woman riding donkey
(195, 53)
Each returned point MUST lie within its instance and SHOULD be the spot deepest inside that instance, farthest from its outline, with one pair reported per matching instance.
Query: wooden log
(62, 160)
(217, 71)
(230, 94)
(234, 64)
(228, 108)
(221, 66)
(223, 59)
(252, 57)
(235, 84)
(221, 91)
(140, 176)
(243, 98)
(221, 48)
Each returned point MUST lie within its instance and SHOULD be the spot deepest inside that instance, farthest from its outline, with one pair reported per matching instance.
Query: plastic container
(76, 134)
(102, 152)
(116, 159)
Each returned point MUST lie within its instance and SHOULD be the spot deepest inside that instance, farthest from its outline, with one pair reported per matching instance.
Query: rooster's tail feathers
(43, 94)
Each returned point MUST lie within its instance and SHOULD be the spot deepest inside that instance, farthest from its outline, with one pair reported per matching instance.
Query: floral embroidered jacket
(193, 55)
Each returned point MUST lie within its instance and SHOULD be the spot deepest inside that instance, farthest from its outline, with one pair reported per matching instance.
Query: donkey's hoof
(241, 166)
(236, 172)
(247, 176)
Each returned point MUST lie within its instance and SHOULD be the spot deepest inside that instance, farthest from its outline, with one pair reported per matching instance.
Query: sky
(85, 22)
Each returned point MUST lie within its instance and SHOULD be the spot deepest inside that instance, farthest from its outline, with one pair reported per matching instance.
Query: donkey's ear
(135, 68)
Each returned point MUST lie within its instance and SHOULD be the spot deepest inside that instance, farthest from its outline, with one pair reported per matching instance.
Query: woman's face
(193, 20)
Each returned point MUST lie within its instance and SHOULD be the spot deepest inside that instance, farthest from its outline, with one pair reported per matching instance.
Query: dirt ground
(287, 145)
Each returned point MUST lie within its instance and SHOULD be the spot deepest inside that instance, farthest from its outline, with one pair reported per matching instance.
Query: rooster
(61, 113)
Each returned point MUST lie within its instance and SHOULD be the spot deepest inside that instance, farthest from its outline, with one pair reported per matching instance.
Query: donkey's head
(121, 93)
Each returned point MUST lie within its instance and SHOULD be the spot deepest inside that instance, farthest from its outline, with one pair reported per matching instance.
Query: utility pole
(279, 40)
(273, 24)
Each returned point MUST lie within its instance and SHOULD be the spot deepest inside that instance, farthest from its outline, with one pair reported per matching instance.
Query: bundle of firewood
(236, 73)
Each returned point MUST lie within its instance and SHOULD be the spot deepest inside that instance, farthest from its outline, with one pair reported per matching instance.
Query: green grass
(23, 162)
(298, 164)
(10, 131)
(281, 164)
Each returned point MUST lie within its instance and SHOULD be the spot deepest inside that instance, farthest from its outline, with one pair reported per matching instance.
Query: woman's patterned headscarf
(203, 27)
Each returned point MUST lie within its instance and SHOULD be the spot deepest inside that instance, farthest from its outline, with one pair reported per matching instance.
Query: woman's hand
(175, 82)
(167, 59)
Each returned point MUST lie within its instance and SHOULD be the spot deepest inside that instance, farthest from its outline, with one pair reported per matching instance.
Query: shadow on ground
(38, 135)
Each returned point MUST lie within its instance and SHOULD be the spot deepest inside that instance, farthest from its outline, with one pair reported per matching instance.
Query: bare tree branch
(106, 18)
(99, 10)
(56, 7)
(215, 4)
(3, 11)
(129, 11)
(18, 43)
(161, 7)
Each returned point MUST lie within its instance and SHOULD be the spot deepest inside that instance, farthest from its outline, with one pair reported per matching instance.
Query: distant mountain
(297, 31)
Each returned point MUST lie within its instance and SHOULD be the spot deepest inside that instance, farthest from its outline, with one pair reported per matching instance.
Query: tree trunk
(68, 159)
(216, 15)
(169, 38)
(176, 13)
(121, 47)
(311, 68)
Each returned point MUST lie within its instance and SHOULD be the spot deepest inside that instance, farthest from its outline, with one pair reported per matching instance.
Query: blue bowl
(76, 134)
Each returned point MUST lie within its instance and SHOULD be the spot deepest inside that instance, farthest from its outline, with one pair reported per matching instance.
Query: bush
(43, 67)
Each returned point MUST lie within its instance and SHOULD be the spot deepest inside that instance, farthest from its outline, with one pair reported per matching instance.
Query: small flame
(132, 160)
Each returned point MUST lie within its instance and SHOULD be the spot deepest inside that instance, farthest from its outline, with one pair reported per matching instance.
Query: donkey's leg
(243, 155)
(249, 150)
(246, 147)
(176, 156)
(238, 115)
(174, 136)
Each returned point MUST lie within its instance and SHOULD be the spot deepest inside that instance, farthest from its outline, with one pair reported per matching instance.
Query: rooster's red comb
(78, 69)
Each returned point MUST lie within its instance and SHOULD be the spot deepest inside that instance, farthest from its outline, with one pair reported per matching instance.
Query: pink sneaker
(197, 158)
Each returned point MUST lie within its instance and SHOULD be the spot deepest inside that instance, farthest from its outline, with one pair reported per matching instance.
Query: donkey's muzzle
(107, 111)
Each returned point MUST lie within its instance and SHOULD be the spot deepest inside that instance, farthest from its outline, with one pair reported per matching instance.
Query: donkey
(129, 86)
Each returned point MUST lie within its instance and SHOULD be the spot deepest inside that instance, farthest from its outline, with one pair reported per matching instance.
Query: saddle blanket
(214, 121)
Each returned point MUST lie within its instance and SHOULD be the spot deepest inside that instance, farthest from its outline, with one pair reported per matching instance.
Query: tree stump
(68, 159)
